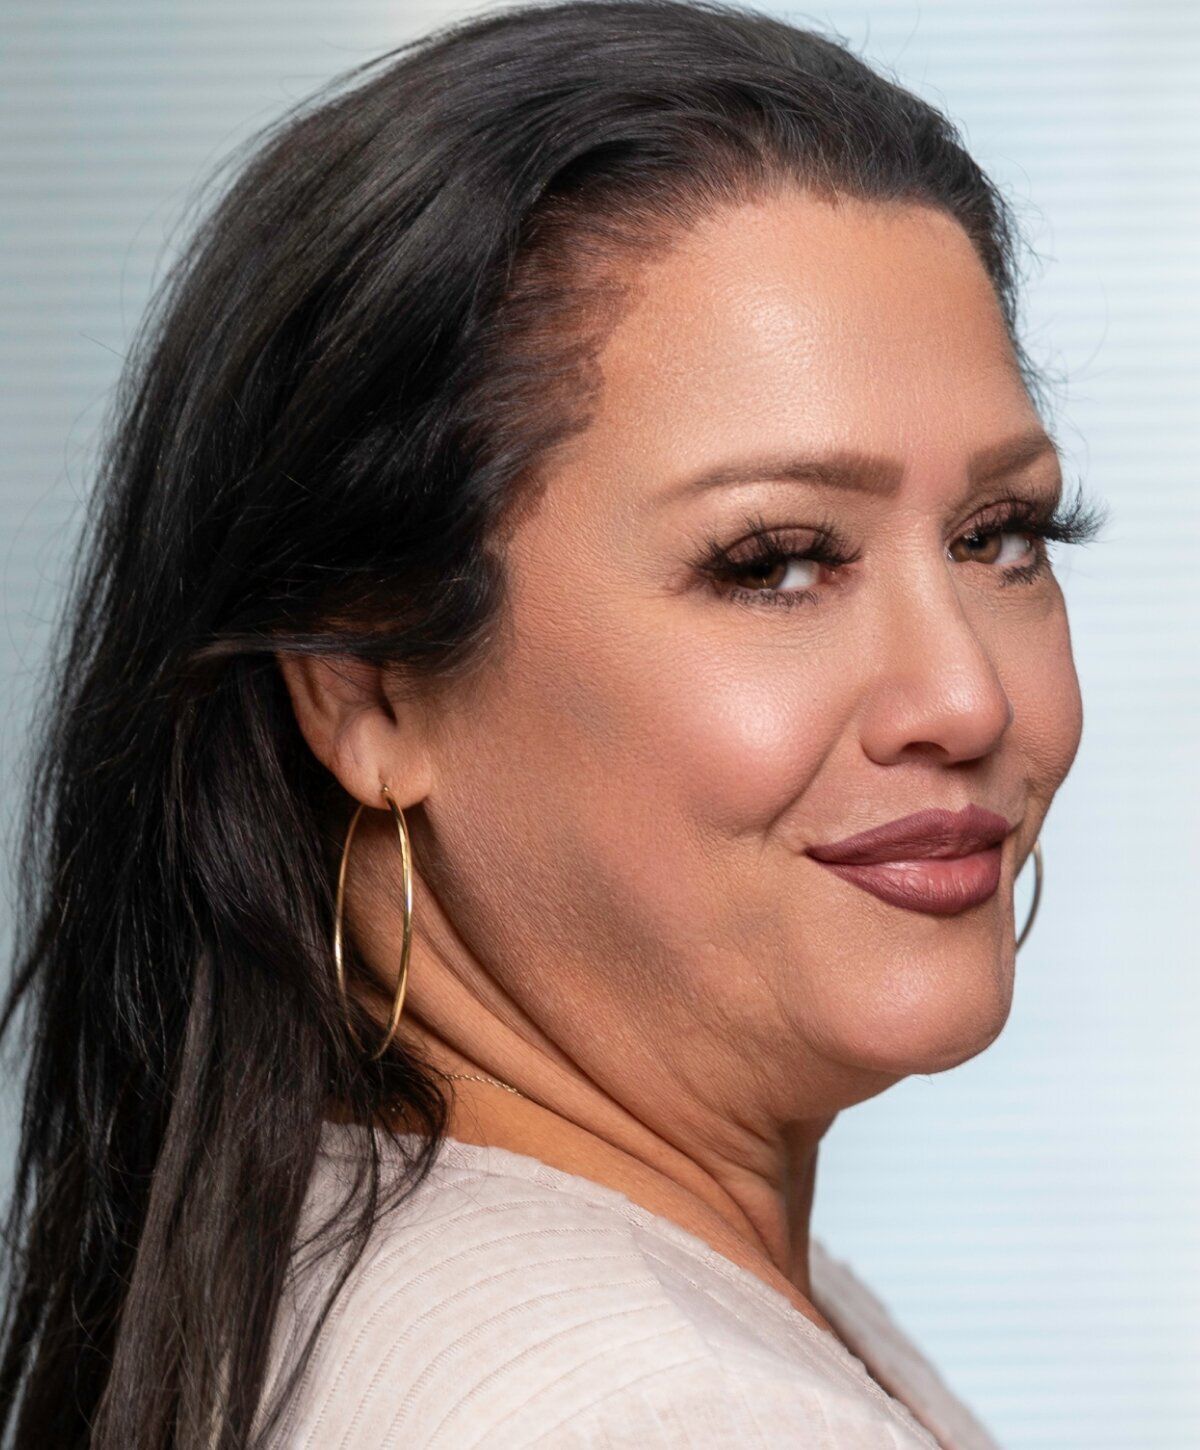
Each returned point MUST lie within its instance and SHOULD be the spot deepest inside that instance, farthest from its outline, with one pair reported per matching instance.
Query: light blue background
(1029, 1217)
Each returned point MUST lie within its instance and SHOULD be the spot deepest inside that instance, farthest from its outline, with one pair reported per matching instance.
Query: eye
(986, 546)
(773, 567)
(1012, 539)
(781, 573)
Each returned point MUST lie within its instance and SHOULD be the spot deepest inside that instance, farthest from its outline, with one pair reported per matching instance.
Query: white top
(509, 1304)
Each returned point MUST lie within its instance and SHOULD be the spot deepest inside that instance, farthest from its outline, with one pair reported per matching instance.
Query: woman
(565, 674)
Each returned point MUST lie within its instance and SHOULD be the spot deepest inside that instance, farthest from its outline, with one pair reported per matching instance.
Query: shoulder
(494, 1309)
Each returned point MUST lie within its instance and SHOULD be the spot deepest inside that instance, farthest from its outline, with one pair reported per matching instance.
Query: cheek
(662, 768)
(650, 751)
(721, 724)
(745, 733)
(1043, 686)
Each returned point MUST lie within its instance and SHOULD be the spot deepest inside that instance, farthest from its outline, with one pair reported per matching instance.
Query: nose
(934, 688)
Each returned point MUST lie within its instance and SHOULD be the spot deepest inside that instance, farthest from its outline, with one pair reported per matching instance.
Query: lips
(934, 861)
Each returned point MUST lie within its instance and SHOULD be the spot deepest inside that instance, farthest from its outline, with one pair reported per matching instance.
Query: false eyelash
(774, 546)
(1077, 522)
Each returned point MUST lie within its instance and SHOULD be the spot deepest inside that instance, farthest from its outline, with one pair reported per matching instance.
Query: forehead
(795, 323)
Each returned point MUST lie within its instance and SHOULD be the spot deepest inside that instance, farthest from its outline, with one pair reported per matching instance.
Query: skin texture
(612, 908)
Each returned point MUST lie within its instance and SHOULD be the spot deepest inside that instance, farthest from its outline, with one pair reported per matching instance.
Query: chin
(928, 1025)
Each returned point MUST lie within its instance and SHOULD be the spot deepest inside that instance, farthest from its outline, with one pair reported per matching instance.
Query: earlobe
(351, 725)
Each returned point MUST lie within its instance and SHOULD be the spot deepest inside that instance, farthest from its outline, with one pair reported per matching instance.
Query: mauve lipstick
(935, 861)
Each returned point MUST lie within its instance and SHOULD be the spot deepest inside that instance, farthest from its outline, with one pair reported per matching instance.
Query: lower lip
(939, 885)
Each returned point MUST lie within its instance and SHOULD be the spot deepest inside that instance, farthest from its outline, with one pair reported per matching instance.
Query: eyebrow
(869, 472)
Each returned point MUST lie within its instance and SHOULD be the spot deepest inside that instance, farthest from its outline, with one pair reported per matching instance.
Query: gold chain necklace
(495, 1081)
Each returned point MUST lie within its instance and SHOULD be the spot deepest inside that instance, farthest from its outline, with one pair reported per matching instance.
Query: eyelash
(1078, 522)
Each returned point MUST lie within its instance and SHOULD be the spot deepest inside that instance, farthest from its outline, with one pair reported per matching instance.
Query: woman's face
(622, 801)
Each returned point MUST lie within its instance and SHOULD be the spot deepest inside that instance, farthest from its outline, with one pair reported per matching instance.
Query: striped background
(1031, 1216)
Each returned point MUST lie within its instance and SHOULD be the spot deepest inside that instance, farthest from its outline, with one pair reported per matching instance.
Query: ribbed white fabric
(510, 1304)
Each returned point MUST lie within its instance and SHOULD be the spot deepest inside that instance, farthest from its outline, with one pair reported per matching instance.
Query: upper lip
(925, 833)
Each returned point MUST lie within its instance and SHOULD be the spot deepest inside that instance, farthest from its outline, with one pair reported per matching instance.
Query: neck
(745, 1188)
(761, 1224)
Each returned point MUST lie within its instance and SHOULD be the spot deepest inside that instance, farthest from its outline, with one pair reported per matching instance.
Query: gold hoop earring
(406, 942)
(1037, 891)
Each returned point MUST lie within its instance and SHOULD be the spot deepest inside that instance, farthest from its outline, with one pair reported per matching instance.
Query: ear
(358, 730)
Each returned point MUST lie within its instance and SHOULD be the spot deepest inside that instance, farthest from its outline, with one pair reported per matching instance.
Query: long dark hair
(360, 365)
